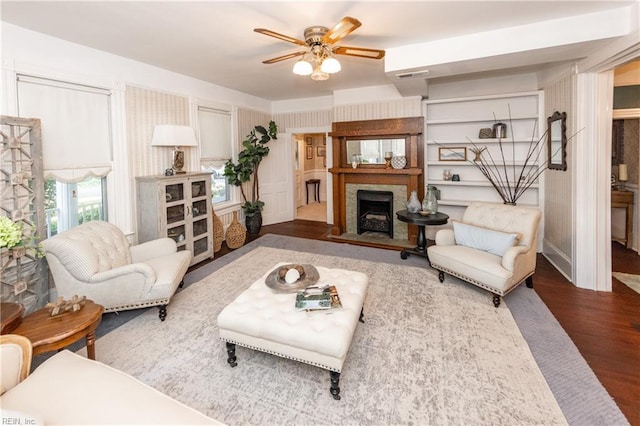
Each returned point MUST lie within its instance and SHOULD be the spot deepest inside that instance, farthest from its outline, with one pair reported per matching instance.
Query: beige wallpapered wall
(146, 108)
(631, 148)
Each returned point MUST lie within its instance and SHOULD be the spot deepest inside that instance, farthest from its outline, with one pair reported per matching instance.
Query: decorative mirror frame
(551, 136)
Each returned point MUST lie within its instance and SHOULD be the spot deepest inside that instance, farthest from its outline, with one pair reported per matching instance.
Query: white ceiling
(214, 41)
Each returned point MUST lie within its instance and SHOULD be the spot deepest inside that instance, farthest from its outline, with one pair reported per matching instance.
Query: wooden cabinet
(178, 207)
(455, 125)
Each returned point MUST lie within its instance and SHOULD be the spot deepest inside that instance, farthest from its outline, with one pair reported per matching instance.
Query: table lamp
(176, 136)
(623, 175)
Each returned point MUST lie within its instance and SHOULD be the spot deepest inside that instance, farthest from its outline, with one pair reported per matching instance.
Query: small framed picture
(309, 152)
(308, 140)
(322, 151)
(452, 154)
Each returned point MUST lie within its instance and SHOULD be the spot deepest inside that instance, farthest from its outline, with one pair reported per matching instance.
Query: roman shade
(76, 126)
(215, 136)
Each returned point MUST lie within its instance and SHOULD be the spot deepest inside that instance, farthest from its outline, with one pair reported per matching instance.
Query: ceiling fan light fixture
(302, 67)
(319, 75)
(330, 66)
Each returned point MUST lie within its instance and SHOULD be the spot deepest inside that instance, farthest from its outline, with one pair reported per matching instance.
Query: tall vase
(218, 232)
(236, 234)
(430, 202)
(413, 204)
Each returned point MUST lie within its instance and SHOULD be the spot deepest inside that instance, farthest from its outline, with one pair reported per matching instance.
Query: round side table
(49, 333)
(421, 222)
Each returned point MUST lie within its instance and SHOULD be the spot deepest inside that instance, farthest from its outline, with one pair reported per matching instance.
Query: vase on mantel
(413, 204)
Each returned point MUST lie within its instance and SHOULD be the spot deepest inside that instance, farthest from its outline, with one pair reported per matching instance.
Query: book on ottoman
(318, 298)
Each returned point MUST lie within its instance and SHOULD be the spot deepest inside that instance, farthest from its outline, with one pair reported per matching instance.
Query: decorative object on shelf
(246, 169)
(435, 191)
(430, 204)
(477, 150)
(455, 177)
(398, 161)
(485, 133)
(387, 159)
(452, 154)
(623, 176)
(168, 172)
(218, 232)
(176, 136)
(236, 234)
(506, 179)
(499, 130)
(62, 306)
(446, 174)
(413, 204)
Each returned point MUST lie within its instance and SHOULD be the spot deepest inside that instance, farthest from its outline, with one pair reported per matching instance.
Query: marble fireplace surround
(347, 180)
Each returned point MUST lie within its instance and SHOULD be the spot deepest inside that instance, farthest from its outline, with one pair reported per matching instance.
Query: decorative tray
(309, 275)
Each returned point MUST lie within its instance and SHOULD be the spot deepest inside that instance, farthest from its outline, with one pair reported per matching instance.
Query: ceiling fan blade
(343, 28)
(279, 36)
(360, 52)
(283, 57)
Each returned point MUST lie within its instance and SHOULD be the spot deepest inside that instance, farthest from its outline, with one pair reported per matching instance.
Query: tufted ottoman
(262, 319)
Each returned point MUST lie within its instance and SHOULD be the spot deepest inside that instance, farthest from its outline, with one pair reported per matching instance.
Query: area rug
(428, 353)
(630, 280)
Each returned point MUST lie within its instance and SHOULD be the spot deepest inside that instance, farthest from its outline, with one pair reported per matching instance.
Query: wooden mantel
(411, 176)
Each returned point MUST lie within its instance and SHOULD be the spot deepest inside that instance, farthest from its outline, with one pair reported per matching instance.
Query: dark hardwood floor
(604, 326)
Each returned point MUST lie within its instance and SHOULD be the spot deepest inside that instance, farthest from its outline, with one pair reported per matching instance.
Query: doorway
(310, 152)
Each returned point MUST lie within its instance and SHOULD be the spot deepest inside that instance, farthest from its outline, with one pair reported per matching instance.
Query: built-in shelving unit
(456, 123)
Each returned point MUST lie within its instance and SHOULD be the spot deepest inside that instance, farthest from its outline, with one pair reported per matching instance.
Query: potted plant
(246, 170)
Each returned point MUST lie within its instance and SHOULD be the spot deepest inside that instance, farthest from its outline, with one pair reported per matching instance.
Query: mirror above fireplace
(374, 151)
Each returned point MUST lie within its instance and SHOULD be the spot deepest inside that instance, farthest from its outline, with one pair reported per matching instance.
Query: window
(76, 147)
(215, 128)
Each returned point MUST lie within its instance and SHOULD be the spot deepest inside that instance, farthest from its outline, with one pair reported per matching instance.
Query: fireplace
(348, 178)
(375, 211)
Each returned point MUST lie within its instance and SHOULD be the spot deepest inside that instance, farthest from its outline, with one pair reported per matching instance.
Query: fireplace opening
(375, 211)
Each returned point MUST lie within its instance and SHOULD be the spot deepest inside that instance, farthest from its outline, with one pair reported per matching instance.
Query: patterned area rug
(428, 353)
(630, 280)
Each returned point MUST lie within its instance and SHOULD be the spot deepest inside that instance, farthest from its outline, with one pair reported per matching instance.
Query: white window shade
(215, 136)
(75, 119)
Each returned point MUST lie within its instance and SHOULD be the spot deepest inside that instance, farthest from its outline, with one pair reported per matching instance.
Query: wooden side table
(10, 316)
(624, 199)
(421, 221)
(49, 333)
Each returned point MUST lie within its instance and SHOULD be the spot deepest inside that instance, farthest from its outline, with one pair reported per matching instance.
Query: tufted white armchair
(96, 260)
(494, 247)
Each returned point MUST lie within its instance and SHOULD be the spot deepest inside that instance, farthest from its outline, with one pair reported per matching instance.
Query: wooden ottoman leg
(163, 312)
(335, 381)
(231, 353)
(361, 315)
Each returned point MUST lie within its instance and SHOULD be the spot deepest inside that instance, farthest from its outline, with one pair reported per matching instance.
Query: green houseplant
(246, 170)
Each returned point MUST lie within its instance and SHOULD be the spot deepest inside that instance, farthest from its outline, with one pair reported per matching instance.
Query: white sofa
(96, 260)
(494, 247)
(69, 389)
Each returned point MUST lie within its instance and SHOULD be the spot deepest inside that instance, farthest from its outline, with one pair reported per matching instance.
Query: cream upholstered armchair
(96, 260)
(493, 247)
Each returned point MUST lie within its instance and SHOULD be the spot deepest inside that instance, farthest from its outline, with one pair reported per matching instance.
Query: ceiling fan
(319, 50)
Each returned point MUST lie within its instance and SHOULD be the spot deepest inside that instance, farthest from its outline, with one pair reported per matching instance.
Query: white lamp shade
(302, 67)
(623, 173)
(173, 135)
(330, 66)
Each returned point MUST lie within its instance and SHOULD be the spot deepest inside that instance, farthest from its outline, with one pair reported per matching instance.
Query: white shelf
(477, 183)
(469, 163)
(506, 120)
(465, 203)
(478, 141)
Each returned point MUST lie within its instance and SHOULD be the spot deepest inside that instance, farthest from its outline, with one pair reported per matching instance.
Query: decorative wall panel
(23, 274)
